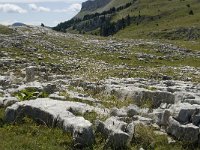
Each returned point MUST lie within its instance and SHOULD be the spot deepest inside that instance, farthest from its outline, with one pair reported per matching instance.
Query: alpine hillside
(135, 87)
(165, 19)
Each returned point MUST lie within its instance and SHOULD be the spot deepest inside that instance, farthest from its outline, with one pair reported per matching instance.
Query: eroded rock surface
(55, 113)
(38, 62)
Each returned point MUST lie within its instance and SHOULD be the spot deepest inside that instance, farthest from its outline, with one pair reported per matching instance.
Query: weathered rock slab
(55, 113)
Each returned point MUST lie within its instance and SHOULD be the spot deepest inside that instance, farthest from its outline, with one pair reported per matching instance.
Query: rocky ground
(87, 85)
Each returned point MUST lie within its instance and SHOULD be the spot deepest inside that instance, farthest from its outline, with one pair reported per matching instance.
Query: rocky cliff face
(94, 4)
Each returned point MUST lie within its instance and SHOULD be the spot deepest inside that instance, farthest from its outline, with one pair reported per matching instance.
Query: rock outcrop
(91, 5)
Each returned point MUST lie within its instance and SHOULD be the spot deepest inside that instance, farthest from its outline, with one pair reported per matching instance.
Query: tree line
(110, 11)
(110, 28)
(87, 20)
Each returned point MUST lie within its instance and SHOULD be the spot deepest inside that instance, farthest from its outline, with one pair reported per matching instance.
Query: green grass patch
(30, 93)
(91, 116)
(1, 95)
(30, 135)
(151, 88)
(147, 138)
(145, 104)
(110, 101)
(5, 30)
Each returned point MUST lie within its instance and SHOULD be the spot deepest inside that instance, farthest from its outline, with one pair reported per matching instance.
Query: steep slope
(138, 18)
(91, 6)
(98, 6)
(92, 20)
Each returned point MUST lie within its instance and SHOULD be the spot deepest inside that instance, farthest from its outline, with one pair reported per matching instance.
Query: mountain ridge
(94, 4)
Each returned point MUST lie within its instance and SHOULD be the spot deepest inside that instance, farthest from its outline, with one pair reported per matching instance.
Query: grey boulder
(187, 133)
(183, 112)
(116, 132)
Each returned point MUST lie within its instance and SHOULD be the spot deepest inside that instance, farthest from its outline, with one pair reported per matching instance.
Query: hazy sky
(35, 12)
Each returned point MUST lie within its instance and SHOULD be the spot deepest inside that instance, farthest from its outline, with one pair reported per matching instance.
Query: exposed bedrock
(55, 113)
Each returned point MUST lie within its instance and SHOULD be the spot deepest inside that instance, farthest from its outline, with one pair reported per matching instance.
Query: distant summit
(18, 24)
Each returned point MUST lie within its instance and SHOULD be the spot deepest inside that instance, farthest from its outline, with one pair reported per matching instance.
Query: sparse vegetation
(91, 116)
(5, 30)
(148, 103)
(149, 138)
(112, 101)
(151, 88)
(146, 137)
